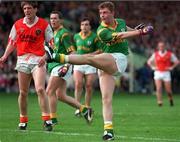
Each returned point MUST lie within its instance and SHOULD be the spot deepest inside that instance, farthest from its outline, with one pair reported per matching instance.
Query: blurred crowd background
(163, 15)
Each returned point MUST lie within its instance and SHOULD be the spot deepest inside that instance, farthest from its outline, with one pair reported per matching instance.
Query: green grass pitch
(137, 118)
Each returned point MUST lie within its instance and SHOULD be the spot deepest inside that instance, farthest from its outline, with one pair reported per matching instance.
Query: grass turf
(137, 118)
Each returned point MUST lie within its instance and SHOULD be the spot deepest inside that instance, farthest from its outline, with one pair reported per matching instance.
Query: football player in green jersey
(86, 43)
(59, 72)
(113, 33)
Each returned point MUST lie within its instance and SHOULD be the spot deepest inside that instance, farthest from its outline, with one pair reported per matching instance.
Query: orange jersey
(163, 62)
(30, 39)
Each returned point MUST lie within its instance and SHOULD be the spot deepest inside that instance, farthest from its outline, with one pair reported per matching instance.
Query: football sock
(23, 119)
(45, 117)
(61, 58)
(108, 126)
(83, 108)
(53, 117)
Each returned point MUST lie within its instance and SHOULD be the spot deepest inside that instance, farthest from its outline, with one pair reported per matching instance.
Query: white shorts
(85, 69)
(55, 72)
(27, 63)
(121, 62)
(162, 75)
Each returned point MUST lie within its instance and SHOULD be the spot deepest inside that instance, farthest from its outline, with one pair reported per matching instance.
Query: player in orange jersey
(27, 36)
(163, 61)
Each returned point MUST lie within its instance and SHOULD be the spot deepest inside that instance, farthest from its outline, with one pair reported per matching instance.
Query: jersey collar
(83, 37)
(35, 21)
(113, 27)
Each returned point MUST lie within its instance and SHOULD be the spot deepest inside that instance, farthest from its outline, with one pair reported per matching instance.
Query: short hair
(34, 4)
(108, 5)
(85, 19)
(58, 13)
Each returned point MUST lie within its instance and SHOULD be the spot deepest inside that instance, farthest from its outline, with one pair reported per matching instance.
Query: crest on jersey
(88, 43)
(38, 32)
(21, 30)
(123, 30)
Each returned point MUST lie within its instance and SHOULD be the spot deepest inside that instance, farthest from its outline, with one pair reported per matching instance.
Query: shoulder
(102, 31)
(120, 20)
(76, 35)
(20, 21)
(43, 21)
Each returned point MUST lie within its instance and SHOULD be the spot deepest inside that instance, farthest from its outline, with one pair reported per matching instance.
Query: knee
(40, 91)
(48, 92)
(158, 90)
(78, 85)
(23, 93)
(106, 100)
(88, 87)
(61, 97)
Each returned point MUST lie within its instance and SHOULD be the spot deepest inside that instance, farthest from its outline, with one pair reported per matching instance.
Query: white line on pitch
(86, 134)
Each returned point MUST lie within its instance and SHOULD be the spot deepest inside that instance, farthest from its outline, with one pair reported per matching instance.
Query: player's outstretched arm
(144, 31)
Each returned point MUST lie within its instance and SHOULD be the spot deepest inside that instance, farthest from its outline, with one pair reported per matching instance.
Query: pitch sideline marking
(86, 134)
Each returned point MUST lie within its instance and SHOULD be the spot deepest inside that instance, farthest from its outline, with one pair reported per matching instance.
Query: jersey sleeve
(67, 42)
(98, 44)
(173, 58)
(152, 58)
(74, 40)
(108, 36)
(105, 35)
(12, 36)
(48, 34)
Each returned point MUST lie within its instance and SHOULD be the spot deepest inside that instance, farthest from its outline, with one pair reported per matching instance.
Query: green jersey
(86, 44)
(107, 35)
(62, 45)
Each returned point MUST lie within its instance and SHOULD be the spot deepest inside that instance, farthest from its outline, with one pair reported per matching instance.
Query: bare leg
(102, 61)
(39, 75)
(107, 85)
(61, 94)
(24, 83)
(158, 84)
(53, 84)
(89, 88)
(169, 91)
(78, 79)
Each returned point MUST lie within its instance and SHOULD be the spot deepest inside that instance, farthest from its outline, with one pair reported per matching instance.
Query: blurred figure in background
(86, 43)
(163, 62)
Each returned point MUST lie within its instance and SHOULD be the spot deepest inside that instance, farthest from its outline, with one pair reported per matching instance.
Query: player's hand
(2, 61)
(63, 70)
(147, 30)
(153, 68)
(42, 61)
(170, 68)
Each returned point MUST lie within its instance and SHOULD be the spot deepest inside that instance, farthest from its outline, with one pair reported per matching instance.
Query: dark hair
(108, 5)
(85, 18)
(33, 3)
(59, 14)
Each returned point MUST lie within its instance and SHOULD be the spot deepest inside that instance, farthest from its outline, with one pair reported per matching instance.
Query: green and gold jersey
(107, 35)
(86, 44)
(62, 45)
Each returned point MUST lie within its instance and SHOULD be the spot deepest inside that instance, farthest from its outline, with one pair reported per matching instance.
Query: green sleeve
(74, 40)
(67, 42)
(98, 44)
(105, 35)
